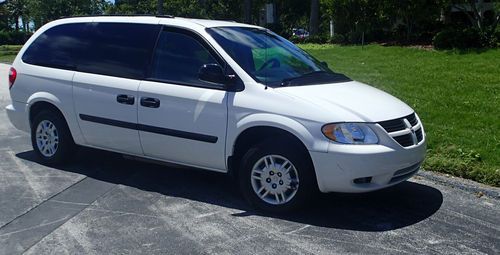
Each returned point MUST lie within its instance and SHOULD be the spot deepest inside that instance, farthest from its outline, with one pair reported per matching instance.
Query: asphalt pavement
(103, 203)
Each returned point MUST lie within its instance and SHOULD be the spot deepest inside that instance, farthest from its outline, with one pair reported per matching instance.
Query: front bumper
(364, 168)
(18, 116)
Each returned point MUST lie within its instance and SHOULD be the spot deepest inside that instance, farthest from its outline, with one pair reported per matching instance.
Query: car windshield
(271, 59)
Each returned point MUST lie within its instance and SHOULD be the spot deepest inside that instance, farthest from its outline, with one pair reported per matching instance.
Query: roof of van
(165, 19)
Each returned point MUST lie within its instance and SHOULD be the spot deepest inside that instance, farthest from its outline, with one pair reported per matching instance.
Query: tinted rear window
(119, 49)
(114, 49)
(57, 47)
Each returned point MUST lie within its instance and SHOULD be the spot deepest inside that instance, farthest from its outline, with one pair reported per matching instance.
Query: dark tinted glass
(57, 47)
(178, 59)
(119, 49)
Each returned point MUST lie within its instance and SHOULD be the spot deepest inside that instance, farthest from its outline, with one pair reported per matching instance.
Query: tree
(289, 14)
(4, 17)
(352, 18)
(16, 10)
(314, 18)
(160, 7)
(42, 12)
(410, 14)
(211, 9)
(247, 11)
(473, 11)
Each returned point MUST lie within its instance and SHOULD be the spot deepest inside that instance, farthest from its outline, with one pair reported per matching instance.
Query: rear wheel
(51, 138)
(276, 176)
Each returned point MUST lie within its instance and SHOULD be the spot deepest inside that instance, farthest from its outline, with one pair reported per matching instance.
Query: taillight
(12, 76)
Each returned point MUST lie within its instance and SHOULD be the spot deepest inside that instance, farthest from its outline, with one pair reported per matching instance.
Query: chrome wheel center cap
(275, 179)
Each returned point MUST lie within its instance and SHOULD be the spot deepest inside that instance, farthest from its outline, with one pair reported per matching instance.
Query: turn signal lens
(350, 133)
(12, 76)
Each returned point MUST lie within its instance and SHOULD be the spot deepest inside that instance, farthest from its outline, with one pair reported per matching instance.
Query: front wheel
(276, 177)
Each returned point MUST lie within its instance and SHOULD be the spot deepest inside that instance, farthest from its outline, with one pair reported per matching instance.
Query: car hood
(350, 101)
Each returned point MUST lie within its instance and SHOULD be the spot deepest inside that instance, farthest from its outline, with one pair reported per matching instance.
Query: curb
(463, 184)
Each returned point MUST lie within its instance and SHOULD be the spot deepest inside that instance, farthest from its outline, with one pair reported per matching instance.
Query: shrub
(497, 37)
(493, 39)
(296, 39)
(319, 39)
(14, 37)
(355, 37)
(466, 38)
(444, 39)
(460, 39)
(337, 39)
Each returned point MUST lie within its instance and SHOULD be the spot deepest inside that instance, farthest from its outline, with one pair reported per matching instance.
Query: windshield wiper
(287, 81)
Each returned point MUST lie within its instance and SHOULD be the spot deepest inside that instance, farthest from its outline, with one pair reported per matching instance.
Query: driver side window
(178, 58)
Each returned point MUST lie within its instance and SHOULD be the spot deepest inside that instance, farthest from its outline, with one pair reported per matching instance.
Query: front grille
(407, 131)
(404, 140)
(419, 135)
(412, 119)
(393, 125)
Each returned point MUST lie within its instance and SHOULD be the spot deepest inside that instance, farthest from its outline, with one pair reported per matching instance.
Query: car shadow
(402, 205)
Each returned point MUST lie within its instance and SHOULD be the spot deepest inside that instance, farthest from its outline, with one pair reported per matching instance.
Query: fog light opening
(363, 180)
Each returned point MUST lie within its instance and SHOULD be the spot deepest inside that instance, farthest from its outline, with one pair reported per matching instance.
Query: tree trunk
(160, 7)
(408, 29)
(475, 18)
(314, 19)
(25, 24)
(247, 11)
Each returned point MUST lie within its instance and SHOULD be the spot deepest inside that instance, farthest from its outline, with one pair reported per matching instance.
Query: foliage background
(389, 21)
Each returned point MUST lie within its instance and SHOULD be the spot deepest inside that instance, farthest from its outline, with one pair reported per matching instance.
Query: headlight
(350, 133)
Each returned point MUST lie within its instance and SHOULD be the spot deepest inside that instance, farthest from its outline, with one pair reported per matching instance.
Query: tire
(299, 182)
(54, 144)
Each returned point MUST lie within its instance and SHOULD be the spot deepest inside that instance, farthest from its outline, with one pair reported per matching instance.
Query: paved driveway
(103, 203)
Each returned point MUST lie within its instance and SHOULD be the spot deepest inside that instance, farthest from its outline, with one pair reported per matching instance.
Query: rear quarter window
(58, 47)
(113, 49)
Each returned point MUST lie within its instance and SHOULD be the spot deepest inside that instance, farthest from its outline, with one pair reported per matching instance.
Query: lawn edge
(468, 185)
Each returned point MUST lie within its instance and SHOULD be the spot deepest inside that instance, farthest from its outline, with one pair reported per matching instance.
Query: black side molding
(109, 122)
(151, 129)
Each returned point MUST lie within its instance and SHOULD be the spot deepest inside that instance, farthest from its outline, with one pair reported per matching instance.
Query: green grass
(456, 94)
(8, 53)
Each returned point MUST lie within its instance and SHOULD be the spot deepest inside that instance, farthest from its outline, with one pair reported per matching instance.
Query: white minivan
(216, 95)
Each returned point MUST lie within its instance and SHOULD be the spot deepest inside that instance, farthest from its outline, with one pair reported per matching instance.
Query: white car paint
(351, 102)
(190, 109)
(95, 94)
(302, 111)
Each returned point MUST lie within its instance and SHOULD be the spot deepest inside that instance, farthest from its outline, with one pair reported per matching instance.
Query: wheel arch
(43, 100)
(257, 128)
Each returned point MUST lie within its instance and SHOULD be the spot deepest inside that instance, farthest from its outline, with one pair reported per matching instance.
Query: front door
(183, 119)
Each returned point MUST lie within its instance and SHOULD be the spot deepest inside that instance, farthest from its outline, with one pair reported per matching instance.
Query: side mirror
(324, 64)
(212, 73)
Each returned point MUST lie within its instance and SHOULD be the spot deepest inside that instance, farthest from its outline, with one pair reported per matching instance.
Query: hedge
(14, 37)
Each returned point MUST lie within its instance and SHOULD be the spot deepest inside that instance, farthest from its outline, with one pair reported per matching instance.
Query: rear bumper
(18, 116)
(364, 168)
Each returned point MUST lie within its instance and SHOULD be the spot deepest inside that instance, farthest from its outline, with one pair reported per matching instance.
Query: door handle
(125, 99)
(150, 102)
